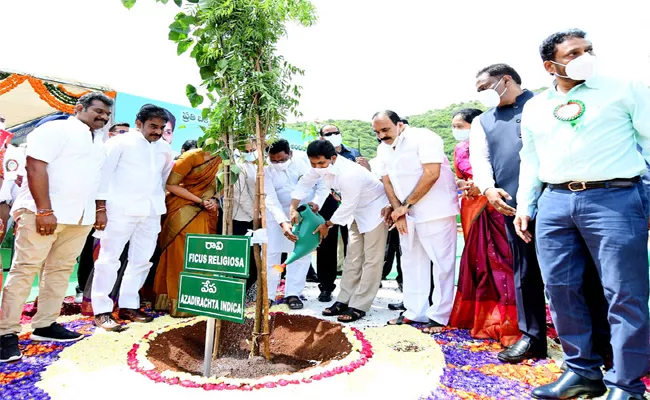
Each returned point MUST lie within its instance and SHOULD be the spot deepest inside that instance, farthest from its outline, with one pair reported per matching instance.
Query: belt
(578, 186)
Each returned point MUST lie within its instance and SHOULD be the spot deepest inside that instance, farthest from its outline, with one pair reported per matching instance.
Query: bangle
(44, 210)
(100, 209)
(44, 214)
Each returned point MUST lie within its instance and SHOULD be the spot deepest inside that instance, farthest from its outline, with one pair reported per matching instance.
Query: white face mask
(325, 171)
(2, 125)
(336, 140)
(490, 97)
(282, 166)
(250, 157)
(461, 134)
(579, 69)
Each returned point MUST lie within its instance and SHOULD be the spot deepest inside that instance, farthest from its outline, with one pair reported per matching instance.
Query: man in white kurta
(362, 201)
(281, 176)
(420, 185)
(133, 185)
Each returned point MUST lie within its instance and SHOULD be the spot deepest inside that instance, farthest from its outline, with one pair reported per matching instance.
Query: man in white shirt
(244, 213)
(64, 160)
(281, 176)
(132, 194)
(422, 191)
(362, 201)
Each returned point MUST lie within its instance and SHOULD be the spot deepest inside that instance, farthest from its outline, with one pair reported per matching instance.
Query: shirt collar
(593, 83)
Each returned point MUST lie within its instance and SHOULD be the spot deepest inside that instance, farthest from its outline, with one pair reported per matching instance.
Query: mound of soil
(297, 342)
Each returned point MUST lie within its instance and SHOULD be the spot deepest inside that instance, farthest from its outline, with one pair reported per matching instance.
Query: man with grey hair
(54, 214)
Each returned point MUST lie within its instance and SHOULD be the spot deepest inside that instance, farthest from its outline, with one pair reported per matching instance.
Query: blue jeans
(611, 227)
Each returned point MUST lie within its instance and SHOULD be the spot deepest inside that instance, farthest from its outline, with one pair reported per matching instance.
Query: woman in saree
(485, 299)
(191, 208)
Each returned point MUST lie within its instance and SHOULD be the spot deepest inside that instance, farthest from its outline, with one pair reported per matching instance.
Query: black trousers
(240, 228)
(529, 286)
(393, 250)
(86, 262)
(327, 252)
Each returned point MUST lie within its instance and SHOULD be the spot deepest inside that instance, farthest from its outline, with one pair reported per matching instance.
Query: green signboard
(220, 255)
(212, 296)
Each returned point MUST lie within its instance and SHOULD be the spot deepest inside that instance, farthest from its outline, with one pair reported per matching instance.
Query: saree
(183, 216)
(485, 297)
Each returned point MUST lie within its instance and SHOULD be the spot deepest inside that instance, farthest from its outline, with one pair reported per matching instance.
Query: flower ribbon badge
(570, 112)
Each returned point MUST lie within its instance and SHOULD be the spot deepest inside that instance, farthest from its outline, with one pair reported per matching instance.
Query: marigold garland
(57, 96)
(10, 83)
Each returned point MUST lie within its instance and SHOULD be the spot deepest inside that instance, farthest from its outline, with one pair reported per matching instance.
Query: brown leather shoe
(134, 315)
(108, 323)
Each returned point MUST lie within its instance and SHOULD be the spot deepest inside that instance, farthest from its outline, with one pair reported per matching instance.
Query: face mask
(2, 125)
(282, 166)
(579, 69)
(336, 140)
(461, 134)
(490, 97)
(250, 157)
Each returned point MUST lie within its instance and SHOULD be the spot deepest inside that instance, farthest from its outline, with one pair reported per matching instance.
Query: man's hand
(495, 196)
(401, 226)
(46, 225)
(399, 212)
(323, 230)
(521, 227)
(363, 162)
(100, 220)
(385, 214)
(19, 180)
(314, 207)
(286, 229)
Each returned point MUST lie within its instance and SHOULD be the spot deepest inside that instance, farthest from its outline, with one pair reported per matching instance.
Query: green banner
(215, 297)
(216, 254)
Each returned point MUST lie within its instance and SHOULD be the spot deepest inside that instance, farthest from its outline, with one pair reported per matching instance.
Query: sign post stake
(209, 342)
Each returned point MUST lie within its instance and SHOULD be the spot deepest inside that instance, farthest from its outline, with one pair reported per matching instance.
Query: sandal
(335, 309)
(351, 315)
(431, 326)
(294, 303)
(401, 320)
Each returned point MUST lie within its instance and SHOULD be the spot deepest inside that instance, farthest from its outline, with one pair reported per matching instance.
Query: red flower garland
(366, 354)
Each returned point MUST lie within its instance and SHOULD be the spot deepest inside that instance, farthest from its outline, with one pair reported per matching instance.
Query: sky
(362, 55)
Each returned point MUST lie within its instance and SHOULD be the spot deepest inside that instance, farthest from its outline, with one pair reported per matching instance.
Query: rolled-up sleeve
(479, 157)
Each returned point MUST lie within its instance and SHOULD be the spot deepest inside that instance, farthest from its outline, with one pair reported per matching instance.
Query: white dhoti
(425, 243)
(296, 275)
(142, 233)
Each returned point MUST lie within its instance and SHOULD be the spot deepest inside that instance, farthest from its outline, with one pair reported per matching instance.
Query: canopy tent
(25, 98)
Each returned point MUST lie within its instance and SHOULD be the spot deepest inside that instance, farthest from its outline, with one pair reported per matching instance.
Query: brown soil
(297, 342)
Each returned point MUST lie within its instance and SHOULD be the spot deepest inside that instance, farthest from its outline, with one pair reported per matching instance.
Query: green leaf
(206, 72)
(176, 36)
(196, 100)
(184, 45)
(128, 3)
(182, 127)
(163, 1)
(179, 26)
(178, 2)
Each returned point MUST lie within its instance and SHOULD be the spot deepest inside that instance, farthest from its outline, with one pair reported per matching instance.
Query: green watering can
(308, 241)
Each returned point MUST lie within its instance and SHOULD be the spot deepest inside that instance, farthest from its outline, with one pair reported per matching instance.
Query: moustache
(385, 138)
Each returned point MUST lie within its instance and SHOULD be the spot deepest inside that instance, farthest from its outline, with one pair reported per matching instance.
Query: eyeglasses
(327, 134)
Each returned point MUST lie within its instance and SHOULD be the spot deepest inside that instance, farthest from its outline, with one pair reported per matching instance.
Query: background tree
(250, 93)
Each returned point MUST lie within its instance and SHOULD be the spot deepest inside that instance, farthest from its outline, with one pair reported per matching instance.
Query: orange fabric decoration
(11, 82)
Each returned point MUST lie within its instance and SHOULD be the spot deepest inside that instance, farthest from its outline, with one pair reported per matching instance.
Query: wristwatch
(407, 205)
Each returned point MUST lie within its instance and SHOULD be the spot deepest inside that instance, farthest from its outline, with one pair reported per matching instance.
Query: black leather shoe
(620, 394)
(570, 385)
(325, 296)
(523, 350)
(397, 306)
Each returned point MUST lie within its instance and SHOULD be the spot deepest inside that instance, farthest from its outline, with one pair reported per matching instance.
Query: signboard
(218, 255)
(216, 297)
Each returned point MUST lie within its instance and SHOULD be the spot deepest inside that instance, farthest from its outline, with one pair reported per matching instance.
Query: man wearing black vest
(495, 141)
